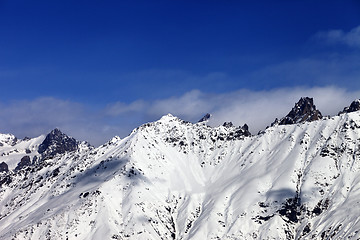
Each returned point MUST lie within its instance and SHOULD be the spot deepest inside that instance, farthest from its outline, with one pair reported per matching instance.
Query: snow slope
(172, 179)
(12, 149)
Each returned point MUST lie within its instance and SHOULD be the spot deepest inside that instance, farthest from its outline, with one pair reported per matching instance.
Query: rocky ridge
(354, 106)
(303, 111)
(172, 179)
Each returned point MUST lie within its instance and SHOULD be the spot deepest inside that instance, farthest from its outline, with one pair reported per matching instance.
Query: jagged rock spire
(57, 142)
(303, 111)
(354, 106)
(205, 117)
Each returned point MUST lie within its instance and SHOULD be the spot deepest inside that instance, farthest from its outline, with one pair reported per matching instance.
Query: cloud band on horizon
(256, 108)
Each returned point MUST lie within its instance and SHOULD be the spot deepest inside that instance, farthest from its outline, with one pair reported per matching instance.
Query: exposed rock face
(238, 132)
(205, 117)
(57, 142)
(303, 111)
(242, 131)
(14, 141)
(228, 124)
(25, 161)
(354, 106)
(4, 167)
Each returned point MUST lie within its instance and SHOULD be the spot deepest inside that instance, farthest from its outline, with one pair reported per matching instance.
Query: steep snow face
(172, 179)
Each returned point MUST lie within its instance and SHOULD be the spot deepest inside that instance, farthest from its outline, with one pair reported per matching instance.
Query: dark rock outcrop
(4, 167)
(14, 141)
(303, 111)
(205, 117)
(354, 106)
(25, 161)
(57, 142)
(239, 132)
(228, 124)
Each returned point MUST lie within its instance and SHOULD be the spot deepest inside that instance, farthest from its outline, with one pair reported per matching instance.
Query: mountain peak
(354, 106)
(57, 142)
(303, 111)
(167, 117)
(205, 118)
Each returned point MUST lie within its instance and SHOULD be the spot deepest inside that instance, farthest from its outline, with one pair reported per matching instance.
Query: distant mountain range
(172, 179)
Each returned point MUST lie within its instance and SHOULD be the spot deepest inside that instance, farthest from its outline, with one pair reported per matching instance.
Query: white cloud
(39, 116)
(256, 108)
(119, 108)
(351, 38)
(185, 105)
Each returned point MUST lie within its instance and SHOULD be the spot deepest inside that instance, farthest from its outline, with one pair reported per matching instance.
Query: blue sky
(100, 68)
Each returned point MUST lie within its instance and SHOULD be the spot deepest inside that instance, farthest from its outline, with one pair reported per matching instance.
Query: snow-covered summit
(114, 140)
(168, 118)
(7, 139)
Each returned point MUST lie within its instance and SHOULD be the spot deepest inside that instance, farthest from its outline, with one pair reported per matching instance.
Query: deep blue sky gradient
(103, 51)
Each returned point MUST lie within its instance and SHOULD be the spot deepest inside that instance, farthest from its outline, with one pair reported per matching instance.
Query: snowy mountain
(173, 179)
